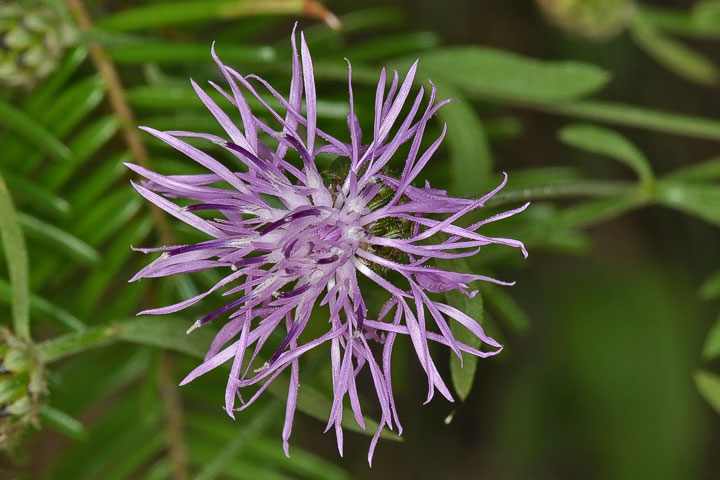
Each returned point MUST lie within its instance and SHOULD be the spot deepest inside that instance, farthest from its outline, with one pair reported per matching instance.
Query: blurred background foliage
(605, 115)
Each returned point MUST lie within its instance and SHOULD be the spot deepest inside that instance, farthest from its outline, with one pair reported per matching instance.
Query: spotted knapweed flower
(292, 239)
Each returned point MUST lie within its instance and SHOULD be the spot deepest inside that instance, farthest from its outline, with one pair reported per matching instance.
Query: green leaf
(317, 405)
(711, 349)
(74, 104)
(706, 171)
(388, 46)
(502, 129)
(603, 141)
(37, 195)
(116, 257)
(47, 90)
(50, 235)
(632, 116)
(161, 14)
(41, 307)
(709, 386)
(676, 57)
(507, 76)
(463, 372)
(169, 332)
(86, 143)
(699, 199)
(470, 156)
(176, 97)
(300, 462)
(711, 286)
(182, 54)
(165, 332)
(98, 182)
(63, 423)
(32, 132)
(257, 424)
(17, 263)
(108, 215)
(499, 300)
(539, 176)
(701, 21)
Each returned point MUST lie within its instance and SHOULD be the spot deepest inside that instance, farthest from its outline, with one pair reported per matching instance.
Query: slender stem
(121, 108)
(178, 451)
(585, 188)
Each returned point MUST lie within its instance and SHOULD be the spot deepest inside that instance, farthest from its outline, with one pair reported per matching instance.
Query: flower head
(292, 238)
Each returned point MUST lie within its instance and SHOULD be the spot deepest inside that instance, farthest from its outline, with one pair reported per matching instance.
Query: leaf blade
(13, 242)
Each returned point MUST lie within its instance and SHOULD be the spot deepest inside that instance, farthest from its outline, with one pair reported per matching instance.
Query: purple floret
(287, 243)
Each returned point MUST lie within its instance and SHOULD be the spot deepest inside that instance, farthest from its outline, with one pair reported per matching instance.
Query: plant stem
(177, 446)
(584, 188)
(120, 107)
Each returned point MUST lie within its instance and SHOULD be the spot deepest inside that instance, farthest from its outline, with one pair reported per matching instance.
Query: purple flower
(292, 239)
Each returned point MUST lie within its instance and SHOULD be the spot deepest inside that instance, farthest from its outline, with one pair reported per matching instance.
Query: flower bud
(33, 38)
(22, 388)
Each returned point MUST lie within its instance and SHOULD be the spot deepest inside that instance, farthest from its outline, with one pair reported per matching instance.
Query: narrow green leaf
(499, 300)
(632, 116)
(502, 129)
(711, 349)
(63, 423)
(86, 143)
(317, 405)
(161, 470)
(169, 332)
(161, 14)
(462, 371)
(129, 463)
(257, 424)
(706, 171)
(366, 20)
(16, 257)
(176, 97)
(300, 462)
(603, 141)
(699, 199)
(388, 46)
(74, 104)
(539, 176)
(33, 132)
(108, 216)
(711, 286)
(676, 57)
(70, 108)
(152, 51)
(98, 181)
(709, 386)
(470, 157)
(701, 21)
(36, 195)
(47, 90)
(576, 217)
(117, 256)
(507, 76)
(50, 235)
(41, 307)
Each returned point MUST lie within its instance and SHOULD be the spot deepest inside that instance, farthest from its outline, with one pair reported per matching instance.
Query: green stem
(584, 188)
(632, 116)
